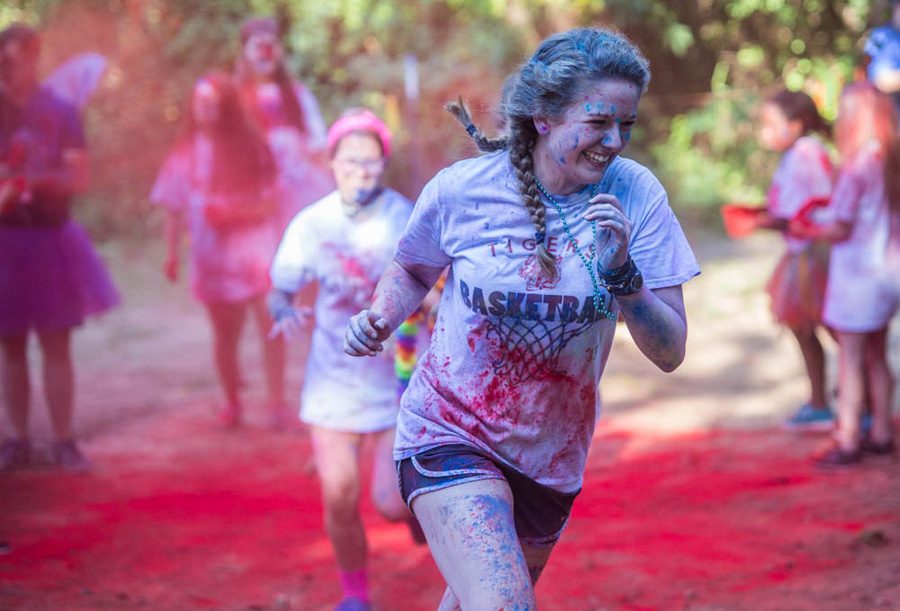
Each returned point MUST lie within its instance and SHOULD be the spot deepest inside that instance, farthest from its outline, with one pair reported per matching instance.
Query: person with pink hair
(863, 291)
(287, 112)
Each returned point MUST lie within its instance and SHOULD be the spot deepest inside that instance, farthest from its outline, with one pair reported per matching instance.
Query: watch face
(637, 282)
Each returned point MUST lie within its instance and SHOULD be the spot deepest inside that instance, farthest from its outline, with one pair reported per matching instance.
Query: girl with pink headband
(344, 242)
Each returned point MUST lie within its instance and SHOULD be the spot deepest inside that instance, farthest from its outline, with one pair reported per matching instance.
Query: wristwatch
(622, 281)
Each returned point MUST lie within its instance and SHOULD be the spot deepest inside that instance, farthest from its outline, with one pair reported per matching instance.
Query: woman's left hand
(613, 241)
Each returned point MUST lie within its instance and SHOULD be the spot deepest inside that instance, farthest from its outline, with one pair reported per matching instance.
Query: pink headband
(364, 121)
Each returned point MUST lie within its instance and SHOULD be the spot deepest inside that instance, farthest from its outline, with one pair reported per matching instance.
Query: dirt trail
(693, 498)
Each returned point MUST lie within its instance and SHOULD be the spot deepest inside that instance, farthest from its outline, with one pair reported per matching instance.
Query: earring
(542, 128)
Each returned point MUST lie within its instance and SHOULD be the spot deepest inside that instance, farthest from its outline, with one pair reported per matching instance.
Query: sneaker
(836, 457)
(15, 454)
(353, 604)
(867, 446)
(809, 418)
(69, 458)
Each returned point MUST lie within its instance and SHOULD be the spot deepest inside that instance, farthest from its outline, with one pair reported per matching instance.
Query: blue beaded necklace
(587, 261)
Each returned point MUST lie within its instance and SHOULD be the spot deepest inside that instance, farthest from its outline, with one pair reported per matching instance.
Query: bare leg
(814, 359)
(535, 557)
(59, 380)
(852, 376)
(227, 322)
(385, 491)
(472, 537)
(880, 385)
(273, 354)
(337, 461)
(16, 386)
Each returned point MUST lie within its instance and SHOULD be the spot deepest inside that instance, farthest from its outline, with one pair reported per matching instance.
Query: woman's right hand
(366, 334)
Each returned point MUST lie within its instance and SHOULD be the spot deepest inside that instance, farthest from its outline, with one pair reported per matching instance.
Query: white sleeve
(658, 244)
(294, 264)
(847, 195)
(421, 243)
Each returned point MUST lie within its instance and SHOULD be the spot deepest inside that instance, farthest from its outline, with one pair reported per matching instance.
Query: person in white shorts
(863, 293)
(344, 242)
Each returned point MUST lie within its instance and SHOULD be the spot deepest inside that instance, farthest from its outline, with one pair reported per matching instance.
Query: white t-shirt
(302, 180)
(862, 280)
(346, 256)
(226, 266)
(803, 174)
(516, 358)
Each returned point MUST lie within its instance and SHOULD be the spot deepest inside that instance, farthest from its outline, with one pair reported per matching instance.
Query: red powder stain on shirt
(476, 337)
(535, 277)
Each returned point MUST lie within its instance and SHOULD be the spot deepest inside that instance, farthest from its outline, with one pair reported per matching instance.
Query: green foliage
(710, 155)
(739, 52)
(713, 61)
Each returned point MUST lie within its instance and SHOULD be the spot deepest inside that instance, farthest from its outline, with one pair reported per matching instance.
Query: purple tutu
(50, 278)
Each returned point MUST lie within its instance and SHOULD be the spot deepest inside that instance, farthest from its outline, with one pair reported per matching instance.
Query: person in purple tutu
(51, 278)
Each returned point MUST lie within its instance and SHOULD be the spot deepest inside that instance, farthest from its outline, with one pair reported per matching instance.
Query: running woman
(549, 237)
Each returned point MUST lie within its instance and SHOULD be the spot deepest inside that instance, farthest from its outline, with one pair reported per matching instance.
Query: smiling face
(575, 149)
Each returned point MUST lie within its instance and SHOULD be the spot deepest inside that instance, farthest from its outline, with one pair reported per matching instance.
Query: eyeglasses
(352, 163)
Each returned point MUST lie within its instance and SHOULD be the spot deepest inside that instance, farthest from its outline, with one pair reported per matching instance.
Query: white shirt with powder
(804, 174)
(516, 358)
(346, 256)
(862, 293)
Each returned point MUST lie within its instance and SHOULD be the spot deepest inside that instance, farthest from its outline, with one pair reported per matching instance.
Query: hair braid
(522, 137)
(460, 110)
(520, 142)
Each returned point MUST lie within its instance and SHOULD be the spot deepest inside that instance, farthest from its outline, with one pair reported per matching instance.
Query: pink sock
(355, 584)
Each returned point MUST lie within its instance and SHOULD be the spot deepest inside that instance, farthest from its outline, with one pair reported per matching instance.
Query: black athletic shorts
(540, 512)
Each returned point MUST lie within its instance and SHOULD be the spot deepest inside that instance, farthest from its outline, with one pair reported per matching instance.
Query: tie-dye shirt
(516, 356)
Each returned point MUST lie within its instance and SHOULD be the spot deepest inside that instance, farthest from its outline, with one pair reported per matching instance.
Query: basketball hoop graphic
(530, 347)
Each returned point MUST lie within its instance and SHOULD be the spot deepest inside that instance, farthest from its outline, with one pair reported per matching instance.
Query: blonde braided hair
(519, 142)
